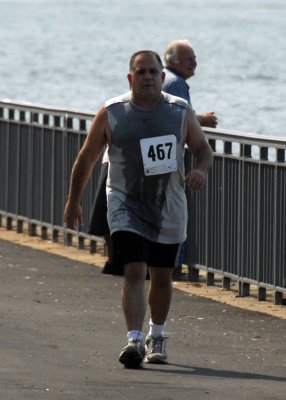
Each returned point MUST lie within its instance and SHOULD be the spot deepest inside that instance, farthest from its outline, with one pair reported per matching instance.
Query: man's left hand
(196, 179)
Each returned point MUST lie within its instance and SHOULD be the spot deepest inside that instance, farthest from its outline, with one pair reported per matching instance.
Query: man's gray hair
(171, 51)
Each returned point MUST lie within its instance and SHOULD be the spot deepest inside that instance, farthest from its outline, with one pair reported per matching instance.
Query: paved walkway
(61, 329)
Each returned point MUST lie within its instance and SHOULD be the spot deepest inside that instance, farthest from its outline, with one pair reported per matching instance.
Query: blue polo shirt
(176, 85)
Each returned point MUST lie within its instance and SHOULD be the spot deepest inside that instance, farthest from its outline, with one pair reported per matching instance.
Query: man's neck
(147, 103)
(174, 71)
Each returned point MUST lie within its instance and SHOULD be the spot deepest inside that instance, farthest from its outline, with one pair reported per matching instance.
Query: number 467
(160, 152)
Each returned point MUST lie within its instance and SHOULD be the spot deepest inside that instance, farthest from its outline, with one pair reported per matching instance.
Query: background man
(180, 65)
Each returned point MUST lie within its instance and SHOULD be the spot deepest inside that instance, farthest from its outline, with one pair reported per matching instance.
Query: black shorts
(130, 247)
(98, 222)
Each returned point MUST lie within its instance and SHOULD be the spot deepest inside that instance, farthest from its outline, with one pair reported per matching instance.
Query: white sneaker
(132, 354)
(156, 350)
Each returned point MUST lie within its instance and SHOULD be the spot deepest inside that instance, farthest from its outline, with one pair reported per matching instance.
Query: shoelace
(157, 344)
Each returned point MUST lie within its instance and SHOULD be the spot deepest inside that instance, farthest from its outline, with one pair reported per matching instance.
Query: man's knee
(161, 276)
(135, 272)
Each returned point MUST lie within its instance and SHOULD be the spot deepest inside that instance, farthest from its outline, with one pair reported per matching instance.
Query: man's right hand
(208, 119)
(73, 216)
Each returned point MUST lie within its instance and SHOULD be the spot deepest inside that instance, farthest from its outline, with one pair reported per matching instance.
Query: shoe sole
(156, 359)
(131, 358)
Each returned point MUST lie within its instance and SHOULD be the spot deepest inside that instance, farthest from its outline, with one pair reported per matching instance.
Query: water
(75, 53)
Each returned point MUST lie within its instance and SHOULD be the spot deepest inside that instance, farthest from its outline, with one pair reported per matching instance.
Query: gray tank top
(145, 184)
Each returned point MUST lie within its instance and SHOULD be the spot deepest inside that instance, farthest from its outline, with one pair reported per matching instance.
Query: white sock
(134, 335)
(156, 330)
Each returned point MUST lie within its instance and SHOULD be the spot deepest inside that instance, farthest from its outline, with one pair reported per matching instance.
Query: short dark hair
(147, 53)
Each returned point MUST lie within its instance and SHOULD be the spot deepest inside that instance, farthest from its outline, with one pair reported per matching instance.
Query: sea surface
(75, 53)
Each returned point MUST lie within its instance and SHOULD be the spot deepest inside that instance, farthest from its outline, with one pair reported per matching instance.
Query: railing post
(264, 153)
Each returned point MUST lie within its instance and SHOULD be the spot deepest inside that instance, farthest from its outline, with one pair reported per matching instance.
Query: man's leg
(129, 246)
(133, 295)
(160, 294)
(134, 308)
(162, 262)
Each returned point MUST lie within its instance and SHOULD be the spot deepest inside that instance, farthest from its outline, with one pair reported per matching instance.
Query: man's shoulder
(176, 85)
(171, 78)
(123, 98)
(170, 98)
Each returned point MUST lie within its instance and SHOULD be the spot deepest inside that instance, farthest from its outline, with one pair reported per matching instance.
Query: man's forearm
(204, 159)
(200, 119)
(80, 175)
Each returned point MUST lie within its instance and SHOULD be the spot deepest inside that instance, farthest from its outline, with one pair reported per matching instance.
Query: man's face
(147, 77)
(186, 62)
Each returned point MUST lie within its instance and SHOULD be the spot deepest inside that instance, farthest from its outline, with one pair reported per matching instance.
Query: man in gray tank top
(146, 131)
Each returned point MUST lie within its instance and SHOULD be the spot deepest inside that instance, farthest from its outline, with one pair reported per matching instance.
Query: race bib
(159, 154)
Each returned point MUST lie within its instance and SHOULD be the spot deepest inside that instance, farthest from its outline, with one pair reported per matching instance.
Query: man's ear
(129, 77)
(163, 75)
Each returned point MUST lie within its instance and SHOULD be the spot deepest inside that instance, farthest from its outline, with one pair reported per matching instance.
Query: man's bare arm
(197, 143)
(83, 166)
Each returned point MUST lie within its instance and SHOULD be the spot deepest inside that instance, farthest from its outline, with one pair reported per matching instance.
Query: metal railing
(237, 224)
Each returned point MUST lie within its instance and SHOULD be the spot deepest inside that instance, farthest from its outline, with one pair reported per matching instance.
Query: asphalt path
(62, 328)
